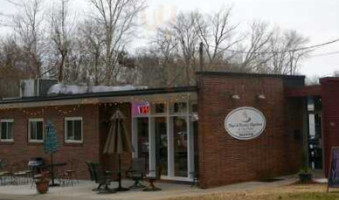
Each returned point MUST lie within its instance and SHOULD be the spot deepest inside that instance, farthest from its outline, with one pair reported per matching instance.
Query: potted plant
(305, 175)
(42, 182)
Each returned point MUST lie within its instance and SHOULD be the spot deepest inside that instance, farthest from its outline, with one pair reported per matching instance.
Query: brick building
(228, 128)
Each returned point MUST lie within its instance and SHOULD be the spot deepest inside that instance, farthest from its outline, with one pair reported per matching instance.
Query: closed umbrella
(118, 141)
(51, 145)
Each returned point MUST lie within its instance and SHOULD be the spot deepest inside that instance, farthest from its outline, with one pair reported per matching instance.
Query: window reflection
(180, 146)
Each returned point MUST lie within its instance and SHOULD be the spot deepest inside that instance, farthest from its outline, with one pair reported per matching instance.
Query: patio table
(51, 166)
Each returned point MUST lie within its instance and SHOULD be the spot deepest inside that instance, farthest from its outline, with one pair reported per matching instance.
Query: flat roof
(137, 92)
(216, 73)
(306, 91)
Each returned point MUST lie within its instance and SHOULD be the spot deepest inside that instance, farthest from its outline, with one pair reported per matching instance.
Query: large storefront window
(143, 144)
(180, 146)
(163, 134)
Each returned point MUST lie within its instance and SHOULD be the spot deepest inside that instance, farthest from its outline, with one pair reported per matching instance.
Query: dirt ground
(290, 192)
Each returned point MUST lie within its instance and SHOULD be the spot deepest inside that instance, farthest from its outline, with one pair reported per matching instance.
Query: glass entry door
(180, 146)
(165, 138)
(142, 139)
(161, 145)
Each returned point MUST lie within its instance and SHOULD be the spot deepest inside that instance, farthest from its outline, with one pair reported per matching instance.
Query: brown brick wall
(330, 122)
(21, 151)
(225, 160)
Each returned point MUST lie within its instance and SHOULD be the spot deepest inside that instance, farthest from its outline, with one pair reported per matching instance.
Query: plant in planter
(305, 176)
(42, 182)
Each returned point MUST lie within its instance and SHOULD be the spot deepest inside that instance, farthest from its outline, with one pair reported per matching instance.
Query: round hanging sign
(245, 123)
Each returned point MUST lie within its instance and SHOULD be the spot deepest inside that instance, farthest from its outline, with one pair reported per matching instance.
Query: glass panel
(195, 108)
(33, 130)
(77, 130)
(180, 107)
(70, 134)
(3, 130)
(196, 149)
(10, 130)
(143, 143)
(159, 108)
(180, 146)
(161, 144)
(39, 129)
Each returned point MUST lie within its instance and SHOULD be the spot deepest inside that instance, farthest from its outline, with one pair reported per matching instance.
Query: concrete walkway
(83, 190)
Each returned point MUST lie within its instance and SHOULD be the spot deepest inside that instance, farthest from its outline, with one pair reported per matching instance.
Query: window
(180, 107)
(36, 130)
(6, 130)
(73, 130)
(159, 108)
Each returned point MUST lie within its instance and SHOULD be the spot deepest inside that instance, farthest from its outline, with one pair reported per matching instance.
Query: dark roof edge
(250, 74)
(103, 94)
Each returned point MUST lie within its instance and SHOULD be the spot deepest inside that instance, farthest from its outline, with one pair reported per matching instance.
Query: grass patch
(271, 196)
(311, 196)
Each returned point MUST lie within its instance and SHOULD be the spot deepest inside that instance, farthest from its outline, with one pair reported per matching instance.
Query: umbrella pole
(52, 172)
(119, 171)
(52, 169)
(120, 188)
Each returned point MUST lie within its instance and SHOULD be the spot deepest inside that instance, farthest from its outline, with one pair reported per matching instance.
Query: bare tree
(254, 55)
(117, 18)
(12, 67)
(28, 28)
(218, 35)
(90, 44)
(165, 50)
(61, 33)
(179, 41)
(294, 41)
(269, 50)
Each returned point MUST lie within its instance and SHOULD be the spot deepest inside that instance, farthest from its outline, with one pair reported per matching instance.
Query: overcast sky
(316, 19)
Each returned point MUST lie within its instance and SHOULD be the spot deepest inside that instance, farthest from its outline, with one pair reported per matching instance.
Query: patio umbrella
(118, 141)
(51, 145)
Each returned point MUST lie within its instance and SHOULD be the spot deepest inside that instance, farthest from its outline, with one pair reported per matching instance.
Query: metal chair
(102, 177)
(20, 173)
(70, 175)
(5, 175)
(137, 172)
(152, 177)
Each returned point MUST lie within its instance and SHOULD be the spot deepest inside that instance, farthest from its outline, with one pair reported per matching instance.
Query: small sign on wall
(245, 123)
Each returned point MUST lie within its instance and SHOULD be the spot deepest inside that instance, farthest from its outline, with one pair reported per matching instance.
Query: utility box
(35, 87)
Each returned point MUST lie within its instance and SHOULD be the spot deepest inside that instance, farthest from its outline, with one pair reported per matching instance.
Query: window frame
(72, 141)
(7, 121)
(30, 140)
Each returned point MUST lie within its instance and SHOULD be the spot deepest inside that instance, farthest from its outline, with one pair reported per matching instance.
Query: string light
(61, 109)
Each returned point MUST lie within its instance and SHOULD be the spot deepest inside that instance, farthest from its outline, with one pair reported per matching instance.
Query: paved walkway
(83, 190)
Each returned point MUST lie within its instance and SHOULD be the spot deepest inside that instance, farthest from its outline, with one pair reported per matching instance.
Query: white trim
(152, 153)
(176, 178)
(7, 121)
(170, 145)
(29, 130)
(72, 141)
